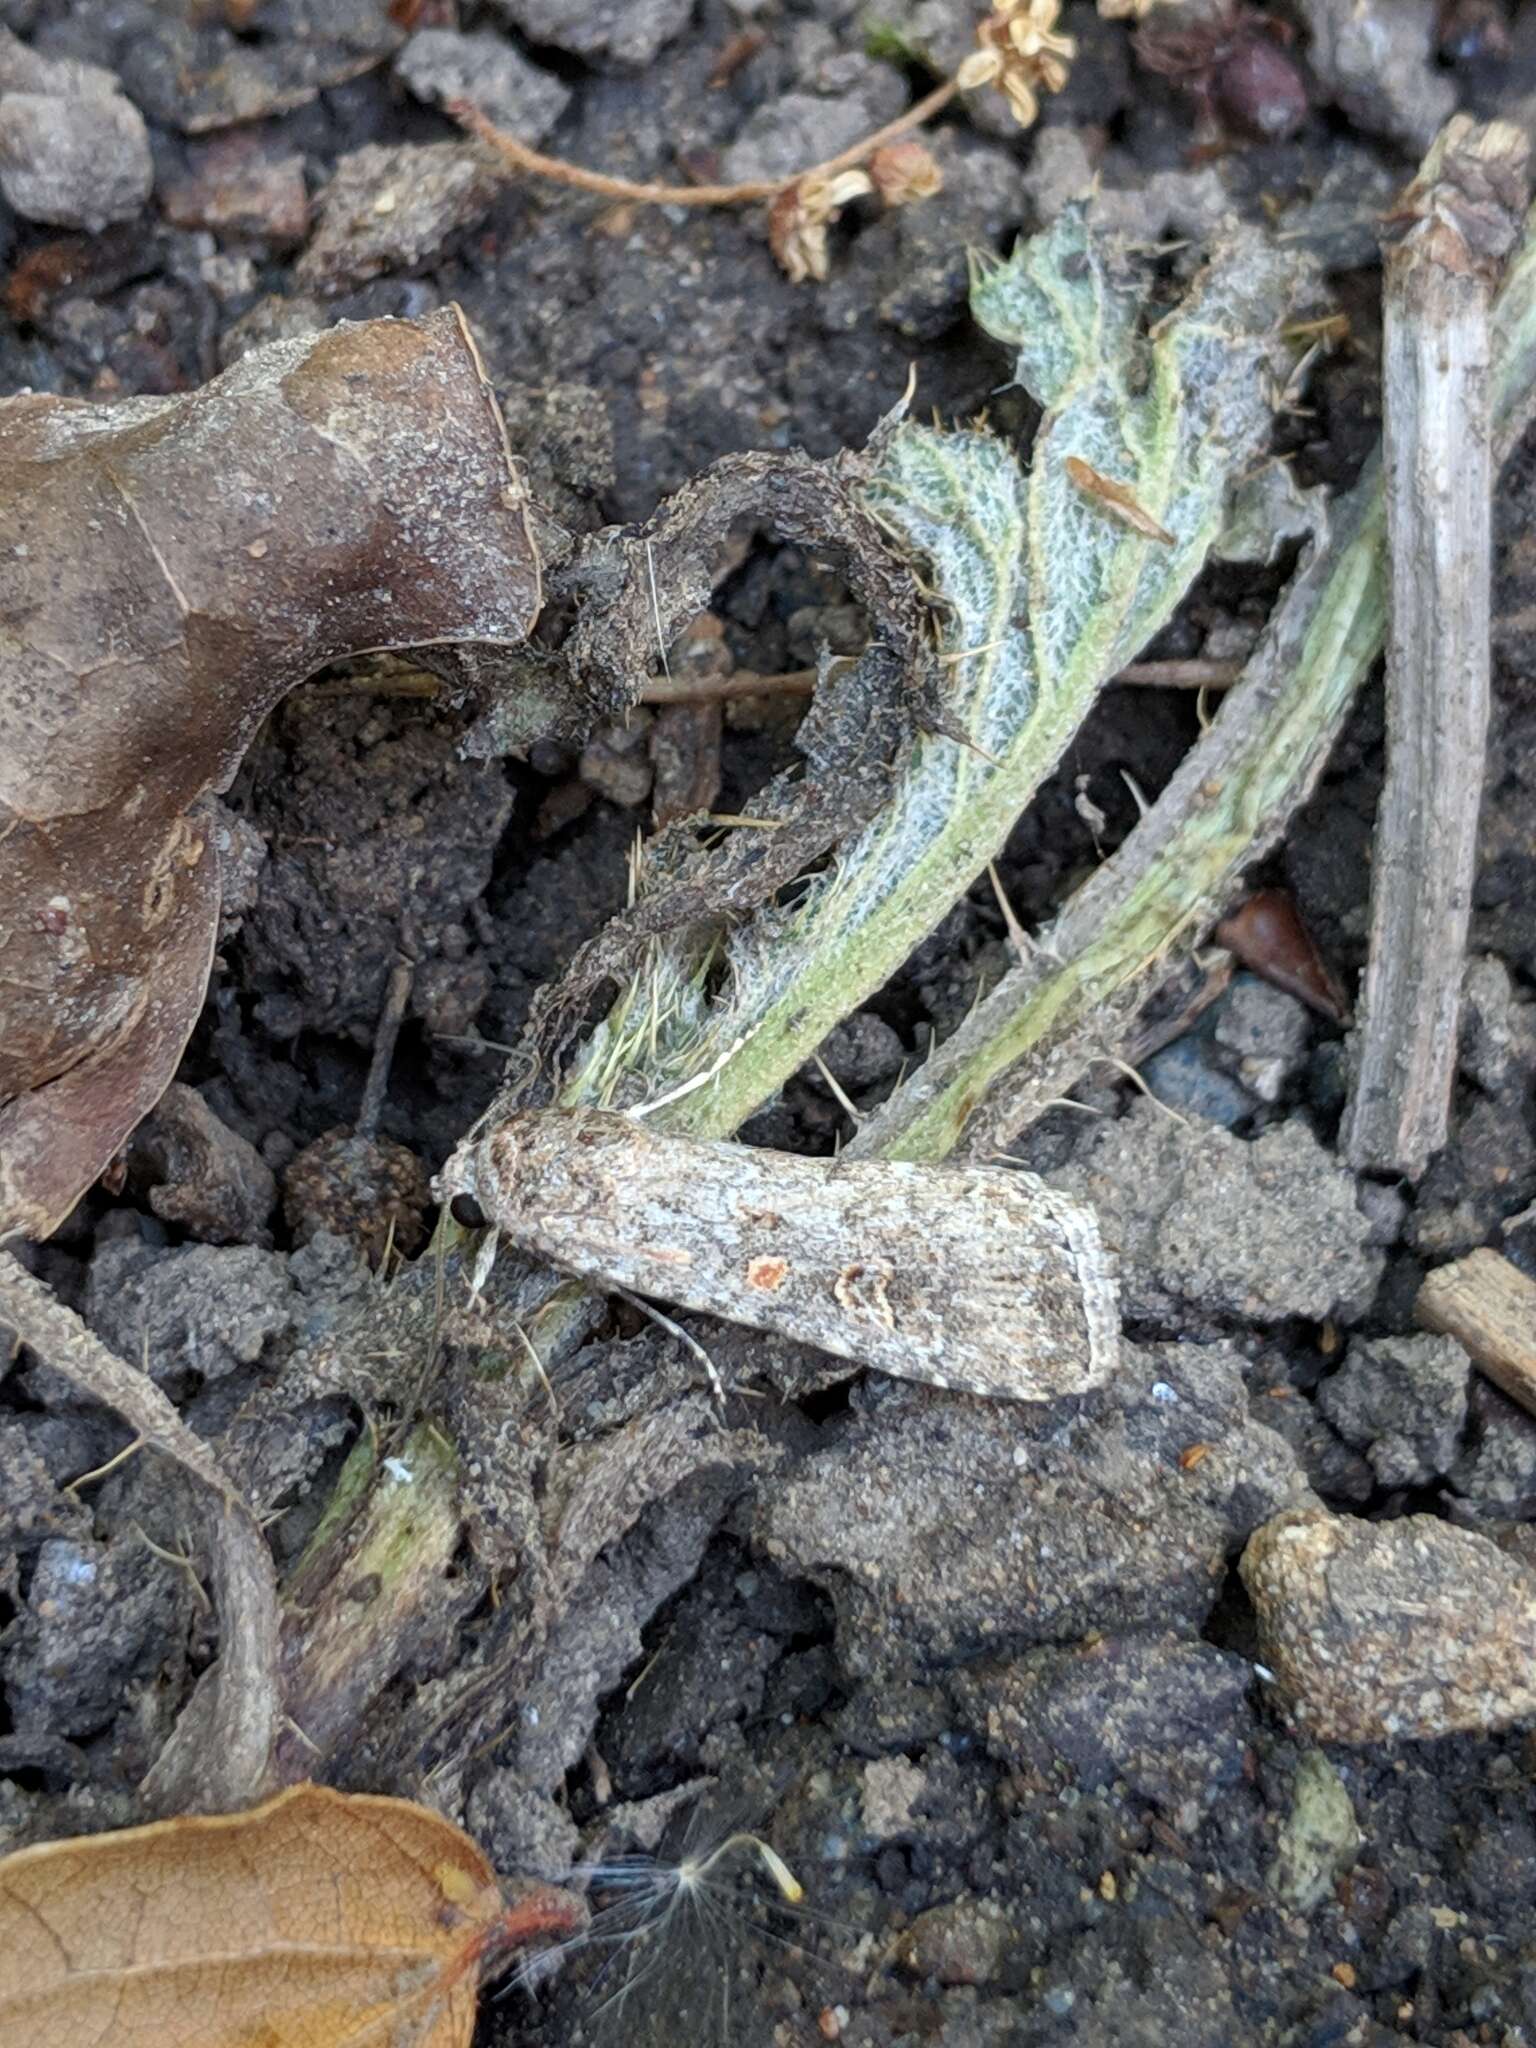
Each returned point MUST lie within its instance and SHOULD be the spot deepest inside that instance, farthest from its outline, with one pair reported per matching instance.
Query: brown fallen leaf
(319, 1920)
(1267, 935)
(169, 569)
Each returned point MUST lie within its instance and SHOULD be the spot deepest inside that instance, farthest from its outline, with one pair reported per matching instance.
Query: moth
(978, 1279)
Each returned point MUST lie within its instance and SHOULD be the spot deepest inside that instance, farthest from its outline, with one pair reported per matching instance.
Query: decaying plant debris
(1450, 238)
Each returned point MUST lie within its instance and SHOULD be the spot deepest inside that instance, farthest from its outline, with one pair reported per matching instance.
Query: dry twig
(1454, 227)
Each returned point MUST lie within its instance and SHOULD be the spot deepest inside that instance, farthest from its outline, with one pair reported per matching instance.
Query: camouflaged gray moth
(978, 1279)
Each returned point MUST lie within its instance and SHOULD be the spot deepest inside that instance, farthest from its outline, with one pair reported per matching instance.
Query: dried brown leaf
(320, 1920)
(1119, 501)
(169, 569)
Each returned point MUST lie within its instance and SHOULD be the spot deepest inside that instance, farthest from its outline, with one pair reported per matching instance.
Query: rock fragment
(945, 1527)
(201, 1310)
(388, 209)
(209, 1179)
(964, 1942)
(440, 64)
(1261, 1230)
(891, 1790)
(1403, 1402)
(1166, 1718)
(1375, 60)
(194, 71)
(1319, 1838)
(1384, 1631)
(235, 186)
(74, 153)
(593, 29)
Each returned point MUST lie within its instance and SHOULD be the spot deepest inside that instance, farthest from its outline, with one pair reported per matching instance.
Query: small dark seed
(467, 1212)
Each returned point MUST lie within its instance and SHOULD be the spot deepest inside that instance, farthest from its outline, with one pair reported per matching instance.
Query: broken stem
(1047, 1020)
(801, 682)
(535, 164)
(396, 996)
(1455, 225)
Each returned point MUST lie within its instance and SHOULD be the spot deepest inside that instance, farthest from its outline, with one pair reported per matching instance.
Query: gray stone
(1261, 1230)
(1487, 1169)
(388, 209)
(891, 1788)
(1385, 1209)
(1403, 1402)
(615, 761)
(1265, 1031)
(1183, 1078)
(629, 34)
(520, 1829)
(801, 128)
(1168, 1719)
(74, 152)
(440, 64)
(859, 1052)
(1496, 1470)
(97, 1618)
(199, 1309)
(32, 1507)
(945, 1527)
(1498, 1029)
(209, 1179)
(1387, 1631)
(1376, 62)
(964, 1942)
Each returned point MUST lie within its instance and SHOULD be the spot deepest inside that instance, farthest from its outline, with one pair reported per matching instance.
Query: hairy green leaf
(1041, 589)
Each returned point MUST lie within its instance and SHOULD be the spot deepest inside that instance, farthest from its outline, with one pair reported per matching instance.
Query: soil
(984, 1678)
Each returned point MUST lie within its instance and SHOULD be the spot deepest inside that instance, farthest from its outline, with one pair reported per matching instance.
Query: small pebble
(1381, 1631)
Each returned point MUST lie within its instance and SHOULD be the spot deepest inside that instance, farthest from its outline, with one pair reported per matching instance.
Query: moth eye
(467, 1212)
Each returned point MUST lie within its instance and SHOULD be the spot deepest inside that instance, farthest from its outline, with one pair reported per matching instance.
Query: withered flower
(1128, 10)
(799, 218)
(1021, 54)
(904, 172)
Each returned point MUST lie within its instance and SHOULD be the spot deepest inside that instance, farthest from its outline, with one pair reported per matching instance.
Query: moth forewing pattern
(977, 1279)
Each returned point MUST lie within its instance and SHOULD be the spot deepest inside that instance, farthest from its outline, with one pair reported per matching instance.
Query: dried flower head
(799, 218)
(1128, 10)
(1021, 54)
(904, 172)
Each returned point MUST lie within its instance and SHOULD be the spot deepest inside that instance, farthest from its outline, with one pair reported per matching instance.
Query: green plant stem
(1230, 800)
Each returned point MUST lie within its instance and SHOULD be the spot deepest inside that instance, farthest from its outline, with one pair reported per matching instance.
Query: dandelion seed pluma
(673, 1942)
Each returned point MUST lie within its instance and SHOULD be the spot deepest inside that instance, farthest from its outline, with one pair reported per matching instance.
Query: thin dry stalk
(801, 682)
(1454, 227)
(533, 163)
(217, 1755)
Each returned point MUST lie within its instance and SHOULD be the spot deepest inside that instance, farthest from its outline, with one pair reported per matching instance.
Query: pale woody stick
(1489, 1307)
(1449, 236)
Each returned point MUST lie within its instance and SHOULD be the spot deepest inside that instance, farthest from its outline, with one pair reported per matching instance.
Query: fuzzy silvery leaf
(1041, 592)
